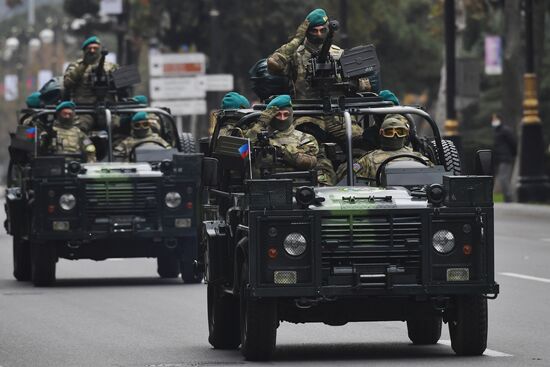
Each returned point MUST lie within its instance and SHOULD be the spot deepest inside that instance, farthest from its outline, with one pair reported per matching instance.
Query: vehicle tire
(168, 266)
(469, 329)
(188, 143)
(452, 158)
(223, 319)
(21, 259)
(258, 318)
(43, 261)
(188, 273)
(424, 330)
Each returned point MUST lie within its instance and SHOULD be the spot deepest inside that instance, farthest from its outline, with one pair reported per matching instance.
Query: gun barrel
(332, 27)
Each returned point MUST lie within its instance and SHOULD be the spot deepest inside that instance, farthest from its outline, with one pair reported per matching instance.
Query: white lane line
(528, 277)
(488, 352)
(115, 259)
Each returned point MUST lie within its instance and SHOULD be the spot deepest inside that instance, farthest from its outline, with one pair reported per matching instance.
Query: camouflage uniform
(123, 149)
(71, 140)
(77, 80)
(366, 166)
(297, 150)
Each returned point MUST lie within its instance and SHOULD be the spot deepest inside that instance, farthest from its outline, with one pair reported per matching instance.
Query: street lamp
(34, 44)
(533, 184)
(47, 36)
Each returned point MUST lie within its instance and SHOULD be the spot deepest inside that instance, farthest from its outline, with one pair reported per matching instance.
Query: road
(119, 313)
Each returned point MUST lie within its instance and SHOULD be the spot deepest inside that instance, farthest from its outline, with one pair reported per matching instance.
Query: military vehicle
(60, 207)
(416, 245)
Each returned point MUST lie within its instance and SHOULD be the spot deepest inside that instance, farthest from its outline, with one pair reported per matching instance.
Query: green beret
(65, 104)
(317, 17)
(233, 100)
(141, 99)
(394, 121)
(33, 100)
(281, 101)
(89, 41)
(387, 95)
(139, 116)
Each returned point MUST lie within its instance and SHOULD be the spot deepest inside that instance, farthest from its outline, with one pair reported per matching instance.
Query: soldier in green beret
(141, 133)
(393, 134)
(233, 101)
(292, 60)
(288, 149)
(78, 82)
(68, 139)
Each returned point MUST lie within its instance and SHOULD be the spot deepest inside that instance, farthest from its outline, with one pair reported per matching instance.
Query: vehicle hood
(118, 170)
(364, 197)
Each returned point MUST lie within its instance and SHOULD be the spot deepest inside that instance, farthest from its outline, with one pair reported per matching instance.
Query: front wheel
(469, 328)
(43, 261)
(168, 266)
(223, 319)
(424, 330)
(258, 324)
(21, 259)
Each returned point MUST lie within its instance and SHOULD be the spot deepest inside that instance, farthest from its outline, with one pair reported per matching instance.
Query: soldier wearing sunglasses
(141, 133)
(393, 134)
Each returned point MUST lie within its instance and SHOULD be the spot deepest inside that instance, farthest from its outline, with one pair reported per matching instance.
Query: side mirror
(209, 172)
(484, 163)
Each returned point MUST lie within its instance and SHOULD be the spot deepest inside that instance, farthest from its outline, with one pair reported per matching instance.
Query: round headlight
(67, 201)
(443, 241)
(295, 244)
(172, 199)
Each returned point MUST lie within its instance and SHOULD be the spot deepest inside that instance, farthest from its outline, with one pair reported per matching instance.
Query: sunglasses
(390, 132)
(282, 115)
(141, 124)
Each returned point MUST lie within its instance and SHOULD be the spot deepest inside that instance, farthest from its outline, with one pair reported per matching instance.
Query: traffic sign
(177, 87)
(219, 82)
(177, 64)
(183, 107)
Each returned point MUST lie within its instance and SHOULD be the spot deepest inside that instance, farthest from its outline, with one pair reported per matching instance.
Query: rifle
(100, 80)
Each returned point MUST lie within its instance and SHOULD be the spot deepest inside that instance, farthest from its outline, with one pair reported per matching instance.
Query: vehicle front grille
(123, 201)
(361, 243)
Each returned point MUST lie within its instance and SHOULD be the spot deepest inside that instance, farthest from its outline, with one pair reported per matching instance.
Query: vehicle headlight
(67, 201)
(443, 241)
(172, 199)
(295, 244)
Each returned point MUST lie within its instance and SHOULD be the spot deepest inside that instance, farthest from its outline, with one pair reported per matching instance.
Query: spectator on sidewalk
(505, 150)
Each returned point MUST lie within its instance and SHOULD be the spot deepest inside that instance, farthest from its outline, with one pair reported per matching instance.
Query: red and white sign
(165, 65)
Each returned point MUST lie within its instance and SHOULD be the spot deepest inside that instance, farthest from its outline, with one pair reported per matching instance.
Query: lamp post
(451, 122)
(533, 184)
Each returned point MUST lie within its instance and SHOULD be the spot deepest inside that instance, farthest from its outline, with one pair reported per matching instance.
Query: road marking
(488, 352)
(528, 277)
(115, 259)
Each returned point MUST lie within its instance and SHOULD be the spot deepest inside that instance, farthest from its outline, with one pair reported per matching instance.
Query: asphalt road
(119, 313)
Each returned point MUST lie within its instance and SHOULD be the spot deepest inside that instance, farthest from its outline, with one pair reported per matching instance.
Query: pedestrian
(505, 150)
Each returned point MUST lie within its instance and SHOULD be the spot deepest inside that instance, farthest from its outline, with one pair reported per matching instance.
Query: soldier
(287, 149)
(393, 133)
(141, 133)
(78, 78)
(233, 101)
(68, 139)
(292, 60)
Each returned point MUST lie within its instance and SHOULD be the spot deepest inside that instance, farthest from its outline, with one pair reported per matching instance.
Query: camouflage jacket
(289, 150)
(71, 141)
(123, 149)
(293, 63)
(367, 165)
(77, 81)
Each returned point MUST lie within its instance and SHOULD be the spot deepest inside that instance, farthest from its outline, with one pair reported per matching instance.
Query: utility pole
(344, 38)
(451, 122)
(533, 184)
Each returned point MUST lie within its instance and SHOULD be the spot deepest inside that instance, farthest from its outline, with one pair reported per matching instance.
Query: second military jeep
(415, 246)
(58, 206)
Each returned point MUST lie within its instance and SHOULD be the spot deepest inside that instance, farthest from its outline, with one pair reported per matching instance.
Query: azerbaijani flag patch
(30, 133)
(244, 151)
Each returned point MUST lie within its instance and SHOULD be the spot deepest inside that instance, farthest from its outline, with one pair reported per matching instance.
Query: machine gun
(341, 76)
(101, 80)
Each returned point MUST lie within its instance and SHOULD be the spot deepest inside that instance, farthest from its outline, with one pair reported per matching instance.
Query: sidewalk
(526, 210)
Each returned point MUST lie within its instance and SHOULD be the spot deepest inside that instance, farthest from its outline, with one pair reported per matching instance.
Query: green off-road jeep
(60, 207)
(414, 246)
